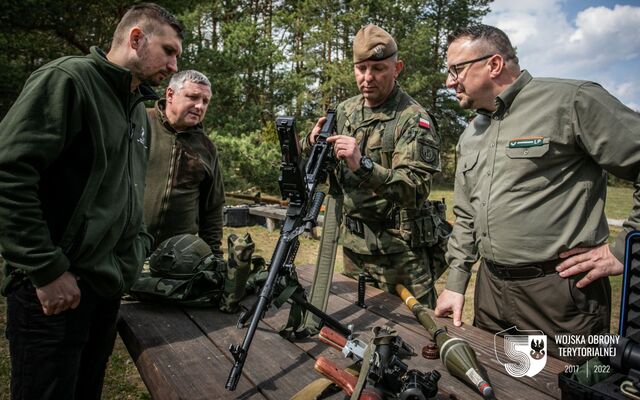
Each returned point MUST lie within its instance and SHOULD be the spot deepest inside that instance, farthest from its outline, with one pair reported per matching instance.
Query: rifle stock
(345, 380)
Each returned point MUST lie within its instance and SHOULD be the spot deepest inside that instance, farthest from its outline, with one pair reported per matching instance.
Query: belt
(530, 271)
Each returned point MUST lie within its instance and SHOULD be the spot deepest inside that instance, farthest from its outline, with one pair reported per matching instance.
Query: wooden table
(183, 353)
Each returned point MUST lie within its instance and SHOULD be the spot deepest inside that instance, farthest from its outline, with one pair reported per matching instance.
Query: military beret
(373, 43)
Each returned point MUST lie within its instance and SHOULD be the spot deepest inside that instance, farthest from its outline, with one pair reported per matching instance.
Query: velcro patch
(424, 123)
(429, 154)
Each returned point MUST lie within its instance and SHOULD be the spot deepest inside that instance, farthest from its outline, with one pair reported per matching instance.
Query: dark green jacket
(185, 191)
(73, 154)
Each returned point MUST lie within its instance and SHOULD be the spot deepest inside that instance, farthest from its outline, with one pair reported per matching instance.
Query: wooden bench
(274, 214)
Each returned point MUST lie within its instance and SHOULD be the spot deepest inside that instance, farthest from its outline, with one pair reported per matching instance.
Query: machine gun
(383, 373)
(302, 213)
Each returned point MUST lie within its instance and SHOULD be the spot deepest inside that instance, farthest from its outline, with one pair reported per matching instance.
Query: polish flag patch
(424, 123)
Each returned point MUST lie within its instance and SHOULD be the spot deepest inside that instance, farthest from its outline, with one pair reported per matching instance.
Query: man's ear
(168, 94)
(136, 36)
(496, 65)
(399, 67)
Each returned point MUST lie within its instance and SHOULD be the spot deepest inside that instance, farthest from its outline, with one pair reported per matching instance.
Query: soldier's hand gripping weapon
(302, 213)
(456, 354)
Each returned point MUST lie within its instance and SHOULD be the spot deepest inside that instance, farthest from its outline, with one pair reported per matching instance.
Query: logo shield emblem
(522, 353)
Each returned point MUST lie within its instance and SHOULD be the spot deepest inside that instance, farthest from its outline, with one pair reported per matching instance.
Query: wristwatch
(366, 167)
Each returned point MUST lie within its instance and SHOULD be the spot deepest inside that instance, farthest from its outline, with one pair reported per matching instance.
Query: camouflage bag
(203, 289)
(182, 270)
(240, 250)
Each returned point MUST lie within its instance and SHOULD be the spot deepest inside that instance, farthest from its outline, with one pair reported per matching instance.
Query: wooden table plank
(276, 366)
(175, 359)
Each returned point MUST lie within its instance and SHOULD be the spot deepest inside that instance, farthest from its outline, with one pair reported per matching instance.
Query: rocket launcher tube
(456, 354)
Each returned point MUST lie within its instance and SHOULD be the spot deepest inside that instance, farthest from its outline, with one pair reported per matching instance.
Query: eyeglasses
(454, 70)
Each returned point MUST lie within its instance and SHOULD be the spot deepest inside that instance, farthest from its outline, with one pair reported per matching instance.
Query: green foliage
(249, 161)
(263, 57)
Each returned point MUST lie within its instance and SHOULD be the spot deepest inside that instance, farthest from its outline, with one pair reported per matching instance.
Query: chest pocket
(191, 171)
(467, 168)
(374, 148)
(525, 169)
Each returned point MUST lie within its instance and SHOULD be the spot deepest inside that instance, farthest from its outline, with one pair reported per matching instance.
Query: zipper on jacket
(132, 127)
(164, 205)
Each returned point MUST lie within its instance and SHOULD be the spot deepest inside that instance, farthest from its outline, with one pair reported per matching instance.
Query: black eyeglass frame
(453, 70)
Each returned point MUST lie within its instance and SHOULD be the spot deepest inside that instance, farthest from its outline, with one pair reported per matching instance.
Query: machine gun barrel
(456, 354)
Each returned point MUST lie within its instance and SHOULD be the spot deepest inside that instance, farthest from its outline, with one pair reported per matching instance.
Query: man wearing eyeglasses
(530, 190)
(388, 149)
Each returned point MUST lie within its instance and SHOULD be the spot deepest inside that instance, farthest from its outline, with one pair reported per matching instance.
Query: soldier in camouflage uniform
(388, 150)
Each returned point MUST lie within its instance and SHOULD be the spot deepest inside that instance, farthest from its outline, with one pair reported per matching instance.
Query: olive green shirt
(401, 176)
(530, 178)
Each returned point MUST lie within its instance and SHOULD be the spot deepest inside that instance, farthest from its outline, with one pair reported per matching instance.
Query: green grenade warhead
(179, 257)
(240, 250)
(456, 354)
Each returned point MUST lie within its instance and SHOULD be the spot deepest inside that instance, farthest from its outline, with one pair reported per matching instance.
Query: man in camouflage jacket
(388, 149)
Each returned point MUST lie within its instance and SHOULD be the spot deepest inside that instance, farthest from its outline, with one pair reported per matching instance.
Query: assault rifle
(302, 213)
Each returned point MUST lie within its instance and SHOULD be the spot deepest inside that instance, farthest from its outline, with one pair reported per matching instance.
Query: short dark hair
(494, 37)
(150, 16)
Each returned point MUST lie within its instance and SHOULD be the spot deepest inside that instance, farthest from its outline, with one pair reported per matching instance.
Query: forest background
(264, 58)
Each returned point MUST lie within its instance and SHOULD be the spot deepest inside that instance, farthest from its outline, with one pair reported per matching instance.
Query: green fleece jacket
(73, 155)
(184, 189)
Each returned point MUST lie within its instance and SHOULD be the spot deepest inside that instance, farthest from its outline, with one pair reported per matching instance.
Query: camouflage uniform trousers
(411, 268)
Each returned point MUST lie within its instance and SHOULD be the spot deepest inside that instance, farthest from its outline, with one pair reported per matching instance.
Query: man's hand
(450, 302)
(313, 136)
(59, 295)
(346, 148)
(598, 262)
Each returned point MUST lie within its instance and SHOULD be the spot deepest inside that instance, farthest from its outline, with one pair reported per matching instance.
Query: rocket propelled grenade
(456, 354)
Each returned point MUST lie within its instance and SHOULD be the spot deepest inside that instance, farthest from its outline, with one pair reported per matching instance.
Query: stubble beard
(138, 69)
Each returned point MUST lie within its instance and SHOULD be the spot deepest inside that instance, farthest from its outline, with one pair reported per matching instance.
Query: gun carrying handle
(332, 338)
(345, 380)
(329, 124)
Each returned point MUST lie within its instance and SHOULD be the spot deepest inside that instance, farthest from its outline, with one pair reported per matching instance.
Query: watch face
(366, 163)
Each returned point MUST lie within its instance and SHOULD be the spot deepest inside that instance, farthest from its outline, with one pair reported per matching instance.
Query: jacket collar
(387, 110)
(505, 99)
(119, 77)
